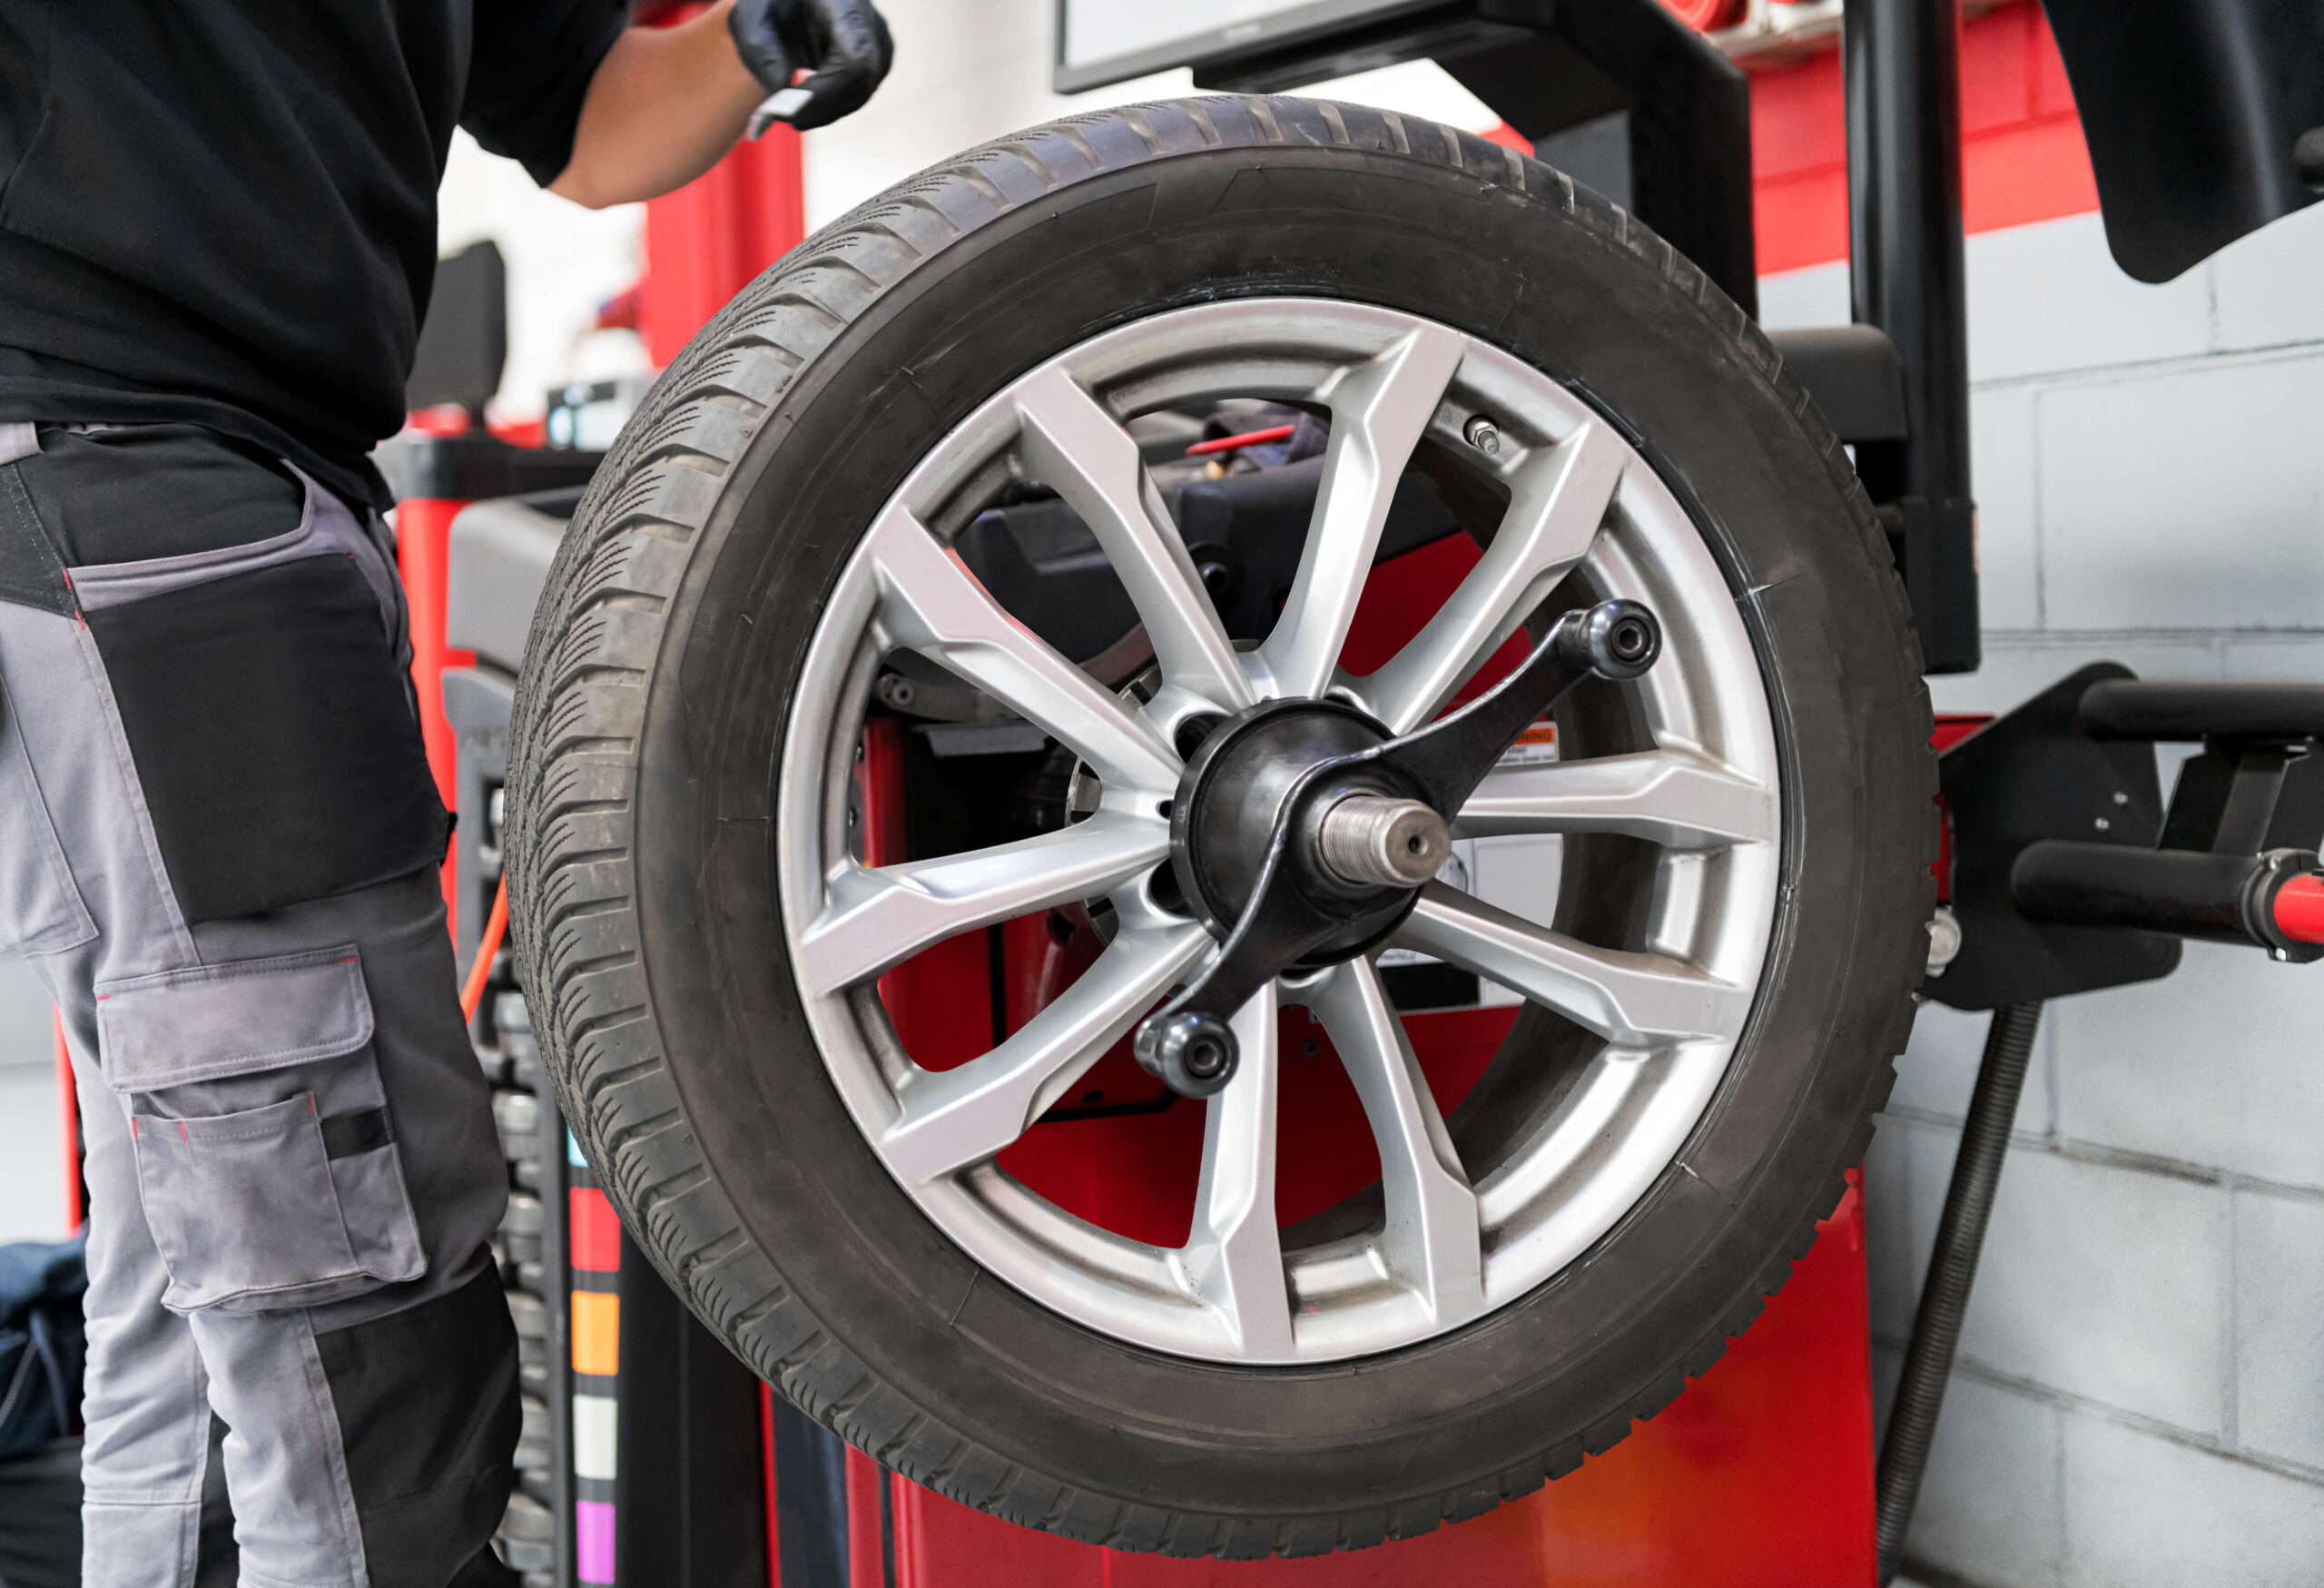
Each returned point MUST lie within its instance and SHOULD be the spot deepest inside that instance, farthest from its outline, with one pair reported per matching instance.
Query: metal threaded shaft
(1952, 1268)
(1382, 843)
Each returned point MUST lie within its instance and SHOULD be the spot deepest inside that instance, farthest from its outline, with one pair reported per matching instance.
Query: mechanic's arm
(667, 102)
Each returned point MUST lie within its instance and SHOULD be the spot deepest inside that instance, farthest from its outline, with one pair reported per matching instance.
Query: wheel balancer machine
(2066, 871)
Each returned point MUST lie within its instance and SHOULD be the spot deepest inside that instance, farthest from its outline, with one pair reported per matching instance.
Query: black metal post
(690, 1479)
(1952, 1270)
(1902, 71)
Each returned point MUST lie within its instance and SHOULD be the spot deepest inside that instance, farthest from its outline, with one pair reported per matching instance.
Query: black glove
(844, 44)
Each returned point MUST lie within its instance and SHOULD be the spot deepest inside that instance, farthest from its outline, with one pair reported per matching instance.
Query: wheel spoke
(1233, 1257)
(1075, 446)
(1558, 499)
(931, 603)
(881, 916)
(1379, 411)
(1673, 797)
(955, 1117)
(1632, 1000)
(1432, 1236)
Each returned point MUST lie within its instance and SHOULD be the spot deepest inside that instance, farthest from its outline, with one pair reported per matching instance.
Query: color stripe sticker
(596, 1233)
(594, 1426)
(597, 1332)
(593, 1541)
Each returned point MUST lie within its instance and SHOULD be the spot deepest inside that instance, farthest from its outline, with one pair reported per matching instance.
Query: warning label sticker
(1535, 745)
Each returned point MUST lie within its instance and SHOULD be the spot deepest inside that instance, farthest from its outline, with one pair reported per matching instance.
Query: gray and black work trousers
(218, 845)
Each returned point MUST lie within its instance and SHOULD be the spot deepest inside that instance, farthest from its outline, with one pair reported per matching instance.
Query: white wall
(2140, 1395)
(563, 261)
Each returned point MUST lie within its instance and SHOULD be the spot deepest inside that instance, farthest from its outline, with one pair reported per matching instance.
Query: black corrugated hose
(1951, 1267)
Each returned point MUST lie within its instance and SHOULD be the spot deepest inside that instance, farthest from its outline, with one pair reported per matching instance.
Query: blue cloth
(42, 1347)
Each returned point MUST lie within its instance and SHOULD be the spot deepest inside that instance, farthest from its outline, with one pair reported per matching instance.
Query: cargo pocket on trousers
(41, 909)
(266, 1157)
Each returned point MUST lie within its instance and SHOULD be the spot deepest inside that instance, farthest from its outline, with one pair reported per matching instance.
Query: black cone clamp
(1355, 835)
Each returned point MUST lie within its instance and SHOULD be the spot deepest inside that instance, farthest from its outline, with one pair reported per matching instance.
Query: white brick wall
(2141, 1394)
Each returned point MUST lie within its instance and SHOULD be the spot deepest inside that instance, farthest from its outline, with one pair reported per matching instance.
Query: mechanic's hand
(844, 45)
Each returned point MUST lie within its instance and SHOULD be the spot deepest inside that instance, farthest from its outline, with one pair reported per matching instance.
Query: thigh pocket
(266, 1157)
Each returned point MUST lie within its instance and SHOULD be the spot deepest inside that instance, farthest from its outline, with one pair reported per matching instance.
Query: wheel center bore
(1361, 844)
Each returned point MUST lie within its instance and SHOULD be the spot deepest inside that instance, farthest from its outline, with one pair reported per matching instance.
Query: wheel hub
(1234, 792)
(1351, 816)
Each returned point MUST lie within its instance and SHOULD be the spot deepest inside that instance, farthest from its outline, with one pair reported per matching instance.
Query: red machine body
(1760, 1475)
(423, 530)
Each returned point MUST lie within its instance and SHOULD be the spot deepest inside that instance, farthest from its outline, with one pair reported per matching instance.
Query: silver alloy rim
(1447, 1251)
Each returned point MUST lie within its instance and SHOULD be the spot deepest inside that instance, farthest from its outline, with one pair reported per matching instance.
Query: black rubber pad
(274, 736)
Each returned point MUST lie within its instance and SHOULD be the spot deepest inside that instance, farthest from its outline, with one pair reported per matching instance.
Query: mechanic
(219, 837)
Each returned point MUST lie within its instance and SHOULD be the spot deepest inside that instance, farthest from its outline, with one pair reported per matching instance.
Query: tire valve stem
(1483, 435)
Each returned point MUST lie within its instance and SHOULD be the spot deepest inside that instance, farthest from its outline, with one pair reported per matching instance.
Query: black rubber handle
(2135, 709)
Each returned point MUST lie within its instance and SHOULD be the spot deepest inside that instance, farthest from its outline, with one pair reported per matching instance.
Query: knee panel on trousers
(428, 1414)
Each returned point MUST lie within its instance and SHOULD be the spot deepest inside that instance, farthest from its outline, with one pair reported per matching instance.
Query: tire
(646, 856)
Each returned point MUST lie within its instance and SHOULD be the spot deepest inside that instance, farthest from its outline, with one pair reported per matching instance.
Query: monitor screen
(1107, 41)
